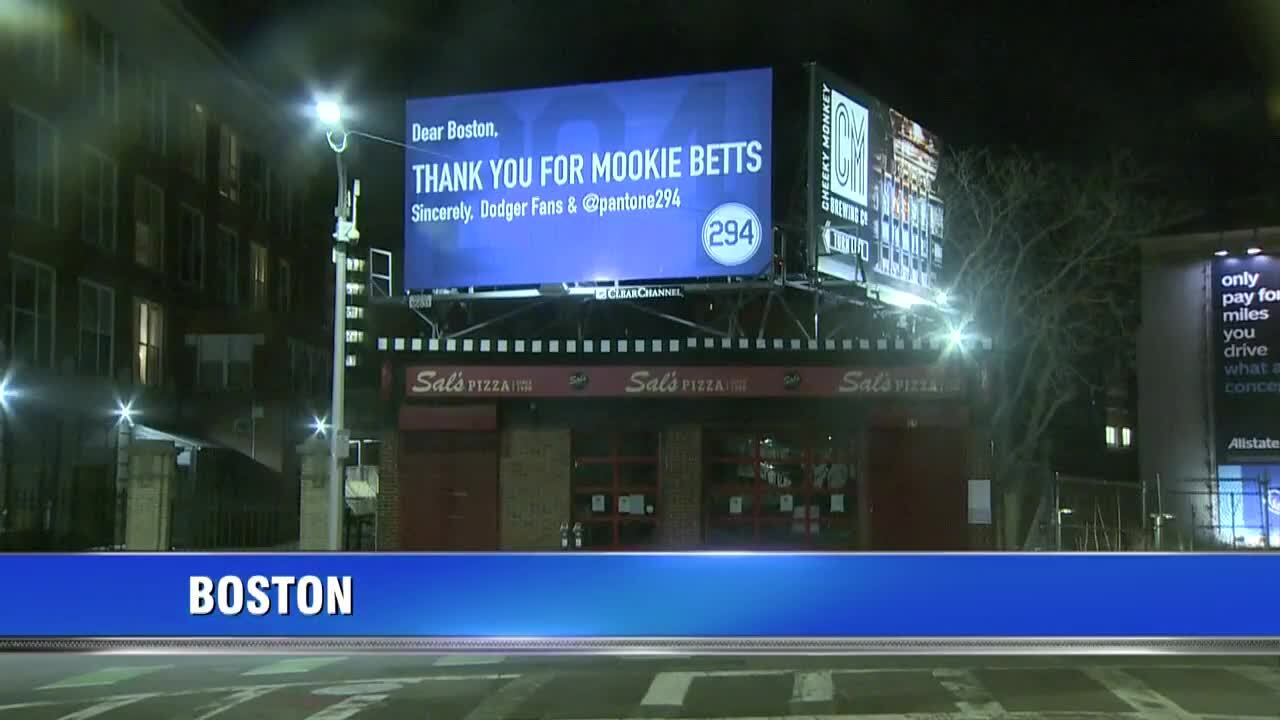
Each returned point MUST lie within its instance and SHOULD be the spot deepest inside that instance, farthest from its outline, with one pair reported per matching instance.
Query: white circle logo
(731, 234)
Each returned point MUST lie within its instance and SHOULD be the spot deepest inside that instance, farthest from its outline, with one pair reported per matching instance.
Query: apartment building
(157, 278)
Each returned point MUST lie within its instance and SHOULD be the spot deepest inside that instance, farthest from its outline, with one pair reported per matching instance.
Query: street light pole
(344, 234)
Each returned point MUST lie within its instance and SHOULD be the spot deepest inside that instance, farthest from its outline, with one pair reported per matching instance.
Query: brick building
(679, 443)
(154, 265)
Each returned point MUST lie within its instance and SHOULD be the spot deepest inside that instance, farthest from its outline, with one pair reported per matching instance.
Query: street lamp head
(320, 426)
(125, 411)
(329, 113)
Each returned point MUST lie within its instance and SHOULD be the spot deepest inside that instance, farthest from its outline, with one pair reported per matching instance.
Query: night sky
(1185, 85)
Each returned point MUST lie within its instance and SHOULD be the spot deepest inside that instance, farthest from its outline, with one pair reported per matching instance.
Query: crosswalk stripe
(106, 706)
(668, 689)
(813, 687)
(220, 706)
(468, 660)
(293, 666)
(347, 708)
(1145, 701)
(972, 699)
(1264, 676)
(105, 676)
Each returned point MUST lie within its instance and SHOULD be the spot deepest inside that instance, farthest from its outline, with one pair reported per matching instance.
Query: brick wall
(389, 490)
(533, 487)
(681, 495)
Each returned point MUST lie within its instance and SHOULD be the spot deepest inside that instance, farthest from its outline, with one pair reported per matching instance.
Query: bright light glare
(329, 112)
(943, 297)
(6, 391)
(125, 412)
(956, 337)
(1220, 253)
(1253, 250)
(320, 425)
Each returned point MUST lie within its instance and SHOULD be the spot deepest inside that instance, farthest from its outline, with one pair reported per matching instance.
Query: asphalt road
(382, 687)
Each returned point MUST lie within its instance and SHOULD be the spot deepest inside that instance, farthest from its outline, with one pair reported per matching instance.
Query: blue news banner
(694, 595)
(640, 180)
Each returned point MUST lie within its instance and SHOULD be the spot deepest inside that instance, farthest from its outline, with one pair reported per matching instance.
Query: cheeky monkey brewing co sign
(874, 206)
(643, 180)
(690, 381)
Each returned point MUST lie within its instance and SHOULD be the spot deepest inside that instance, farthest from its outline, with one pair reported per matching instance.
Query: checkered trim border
(658, 345)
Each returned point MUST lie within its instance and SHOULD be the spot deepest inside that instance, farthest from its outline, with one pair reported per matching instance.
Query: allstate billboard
(641, 180)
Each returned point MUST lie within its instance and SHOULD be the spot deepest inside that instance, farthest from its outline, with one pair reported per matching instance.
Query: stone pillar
(680, 512)
(313, 520)
(152, 465)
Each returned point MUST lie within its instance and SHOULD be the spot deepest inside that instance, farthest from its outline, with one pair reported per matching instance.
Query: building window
(355, 312)
(229, 164)
(380, 272)
(260, 190)
(287, 229)
(615, 488)
(31, 312)
(153, 116)
(97, 323)
(780, 491)
(149, 330)
(258, 275)
(284, 286)
(38, 50)
(98, 194)
(197, 140)
(309, 368)
(1126, 437)
(229, 266)
(224, 362)
(1112, 436)
(101, 68)
(35, 163)
(148, 224)
(191, 252)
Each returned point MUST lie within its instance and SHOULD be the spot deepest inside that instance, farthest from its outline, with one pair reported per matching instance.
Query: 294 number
(731, 232)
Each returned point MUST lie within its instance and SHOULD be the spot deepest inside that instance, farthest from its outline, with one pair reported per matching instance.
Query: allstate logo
(731, 234)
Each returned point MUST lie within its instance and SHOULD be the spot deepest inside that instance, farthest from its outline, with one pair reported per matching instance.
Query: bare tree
(1045, 264)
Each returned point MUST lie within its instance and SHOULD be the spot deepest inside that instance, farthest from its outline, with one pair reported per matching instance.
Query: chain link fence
(1185, 515)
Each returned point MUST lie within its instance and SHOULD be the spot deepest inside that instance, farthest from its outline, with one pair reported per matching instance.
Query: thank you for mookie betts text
(574, 169)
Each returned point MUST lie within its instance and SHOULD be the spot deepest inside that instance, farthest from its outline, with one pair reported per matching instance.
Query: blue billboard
(640, 180)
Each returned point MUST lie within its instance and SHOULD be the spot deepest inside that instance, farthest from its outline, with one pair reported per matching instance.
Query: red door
(918, 489)
(449, 491)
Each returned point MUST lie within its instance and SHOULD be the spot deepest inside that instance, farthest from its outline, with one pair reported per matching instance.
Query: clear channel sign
(642, 180)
